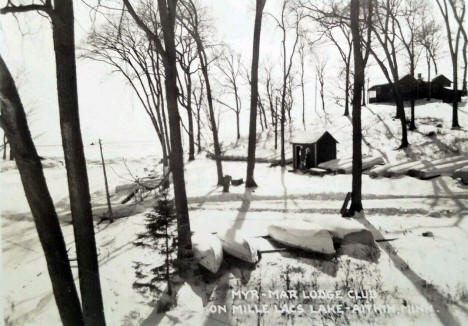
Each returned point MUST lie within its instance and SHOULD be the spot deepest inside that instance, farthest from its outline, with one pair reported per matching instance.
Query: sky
(108, 108)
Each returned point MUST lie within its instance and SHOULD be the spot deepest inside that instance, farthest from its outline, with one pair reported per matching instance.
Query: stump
(226, 183)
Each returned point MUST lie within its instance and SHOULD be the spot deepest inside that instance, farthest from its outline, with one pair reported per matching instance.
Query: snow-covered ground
(423, 279)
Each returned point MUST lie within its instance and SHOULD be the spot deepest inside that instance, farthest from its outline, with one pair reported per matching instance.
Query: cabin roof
(407, 79)
(441, 79)
(380, 85)
(310, 137)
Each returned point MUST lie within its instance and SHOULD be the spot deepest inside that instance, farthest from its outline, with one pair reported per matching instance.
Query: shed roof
(310, 137)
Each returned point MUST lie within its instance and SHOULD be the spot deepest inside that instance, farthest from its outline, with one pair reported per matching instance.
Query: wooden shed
(311, 149)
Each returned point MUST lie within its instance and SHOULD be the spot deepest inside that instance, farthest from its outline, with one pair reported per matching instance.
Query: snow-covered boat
(303, 235)
(415, 170)
(239, 246)
(380, 170)
(444, 169)
(367, 162)
(461, 173)
(207, 250)
(337, 226)
(401, 169)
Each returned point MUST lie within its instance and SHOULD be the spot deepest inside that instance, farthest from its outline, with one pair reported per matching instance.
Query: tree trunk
(303, 95)
(198, 129)
(364, 93)
(190, 119)
(214, 128)
(64, 46)
(465, 59)
(5, 144)
(283, 117)
(455, 95)
(167, 16)
(276, 123)
(356, 195)
(238, 124)
(412, 69)
(14, 124)
(429, 90)
(238, 110)
(12, 154)
(346, 112)
(322, 96)
(402, 116)
(250, 182)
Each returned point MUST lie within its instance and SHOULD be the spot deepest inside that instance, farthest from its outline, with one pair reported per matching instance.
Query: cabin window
(372, 94)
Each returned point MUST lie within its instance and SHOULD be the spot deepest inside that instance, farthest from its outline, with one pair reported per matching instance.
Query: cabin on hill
(311, 149)
(412, 88)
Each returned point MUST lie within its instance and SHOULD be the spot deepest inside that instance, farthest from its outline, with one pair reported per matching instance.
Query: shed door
(298, 158)
(310, 156)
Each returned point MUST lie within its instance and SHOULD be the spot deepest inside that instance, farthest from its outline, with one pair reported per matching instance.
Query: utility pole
(109, 206)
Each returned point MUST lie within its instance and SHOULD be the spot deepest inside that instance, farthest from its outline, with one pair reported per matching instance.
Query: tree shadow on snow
(430, 293)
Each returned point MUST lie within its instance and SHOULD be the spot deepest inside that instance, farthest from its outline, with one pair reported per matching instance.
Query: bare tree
(254, 97)
(458, 8)
(330, 17)
(429, 35)
(190, 17)
(125, 47)
(320, 70)
(302, 60)
(272, 93)
(198, 98)
(356, 197)
(284, 25)
(186, 59)
(412, 14)
(250, 181)
(230, 66)
(167, 16)
(14, 124)
(62, 18)
(384, 28)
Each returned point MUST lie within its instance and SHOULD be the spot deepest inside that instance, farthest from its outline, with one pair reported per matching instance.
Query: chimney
(419, 76)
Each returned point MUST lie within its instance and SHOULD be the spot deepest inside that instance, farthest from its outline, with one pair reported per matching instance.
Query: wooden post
(344, 209)
(111, 215)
